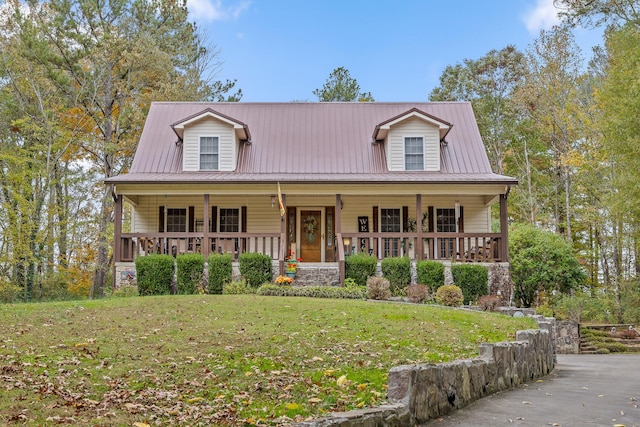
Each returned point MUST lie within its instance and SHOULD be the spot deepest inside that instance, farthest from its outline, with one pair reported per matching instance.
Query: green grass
(219, 360)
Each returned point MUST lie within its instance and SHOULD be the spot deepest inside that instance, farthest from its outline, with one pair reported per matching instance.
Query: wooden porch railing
(137, 244)
(463, 247)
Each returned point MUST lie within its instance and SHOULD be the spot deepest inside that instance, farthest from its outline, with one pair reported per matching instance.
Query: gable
(209, 127)
(413, 128)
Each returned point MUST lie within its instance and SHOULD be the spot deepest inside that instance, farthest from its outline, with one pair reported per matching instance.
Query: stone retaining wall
(567, 337)
(418, 393)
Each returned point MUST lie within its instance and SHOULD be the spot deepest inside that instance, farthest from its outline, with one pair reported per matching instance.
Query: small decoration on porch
(292, 265)
(311, 228)
(284, 280)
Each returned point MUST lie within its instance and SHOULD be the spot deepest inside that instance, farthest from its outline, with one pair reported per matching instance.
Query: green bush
(220, 272)
(154, 274)
(430, 273)
(378, 288)
(417, 293)
(360, 267)
(8, 291)
(313, 291)
(583, 307)
(472, 279)
(52, 287)
(397, 270)
(255, 268)
(449, 295)
(190, 273)
(541, 261)
(235, 288)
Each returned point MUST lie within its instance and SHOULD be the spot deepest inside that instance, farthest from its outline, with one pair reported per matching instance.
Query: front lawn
(219, 359)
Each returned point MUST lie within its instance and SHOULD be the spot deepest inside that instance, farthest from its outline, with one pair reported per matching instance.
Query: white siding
(413, 127)
(228, 146)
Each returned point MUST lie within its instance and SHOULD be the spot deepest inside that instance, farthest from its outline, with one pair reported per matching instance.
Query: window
(390, 220)
(390, 223)
(446, 220)
(209, 153)
(176, 220)
(446, 223)
(229, 220)
(413, 153)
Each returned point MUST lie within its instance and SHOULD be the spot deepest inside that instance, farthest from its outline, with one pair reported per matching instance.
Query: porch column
(419, 243)
(117, 244)
(339, 243)
(205, 245)
(284, 243)
(504, 226)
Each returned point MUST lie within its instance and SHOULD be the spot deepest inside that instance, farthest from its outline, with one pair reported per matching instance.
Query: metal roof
(310, 142)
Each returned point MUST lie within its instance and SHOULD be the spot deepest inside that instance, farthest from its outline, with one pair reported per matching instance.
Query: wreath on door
(311, 228)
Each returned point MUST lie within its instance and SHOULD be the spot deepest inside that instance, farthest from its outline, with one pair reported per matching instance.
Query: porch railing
(463, 247)
(140, 244)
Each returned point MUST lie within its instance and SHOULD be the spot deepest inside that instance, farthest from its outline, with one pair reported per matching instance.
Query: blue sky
(281, 50)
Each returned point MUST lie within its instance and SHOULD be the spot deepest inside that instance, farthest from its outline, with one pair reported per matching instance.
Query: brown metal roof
(312, 142)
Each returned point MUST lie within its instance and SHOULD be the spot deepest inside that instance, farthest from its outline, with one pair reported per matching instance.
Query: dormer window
(209, 153)
(413, 153)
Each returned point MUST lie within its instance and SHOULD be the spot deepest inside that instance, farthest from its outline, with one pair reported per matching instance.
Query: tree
(541, 262)
(593, 13)
(341, 87)
(104, 63)
(549, 97)
(488, 83)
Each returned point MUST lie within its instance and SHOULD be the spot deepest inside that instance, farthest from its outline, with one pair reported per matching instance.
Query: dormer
(412, 141)
(210, 141)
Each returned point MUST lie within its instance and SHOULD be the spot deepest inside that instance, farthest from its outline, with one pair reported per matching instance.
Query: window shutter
(431, 218)
(405, 218)
(375, 219)
(161, 219)
(213, 226)
(192, 220)
(461, 220)
(243, 226)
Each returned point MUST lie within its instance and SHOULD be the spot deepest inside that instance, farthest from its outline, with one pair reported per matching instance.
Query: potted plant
(292, 265)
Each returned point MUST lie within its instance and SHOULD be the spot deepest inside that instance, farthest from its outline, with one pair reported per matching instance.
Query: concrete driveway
(583, 390)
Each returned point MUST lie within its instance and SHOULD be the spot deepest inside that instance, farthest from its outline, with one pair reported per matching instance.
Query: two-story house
(321, 180)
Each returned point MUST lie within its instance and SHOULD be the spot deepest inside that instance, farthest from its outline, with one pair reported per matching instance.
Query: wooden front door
(311, 235)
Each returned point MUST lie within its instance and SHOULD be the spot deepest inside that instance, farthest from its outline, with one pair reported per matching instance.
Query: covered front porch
(319, 228)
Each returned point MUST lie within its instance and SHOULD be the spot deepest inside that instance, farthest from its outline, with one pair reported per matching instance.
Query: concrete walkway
(583, 390)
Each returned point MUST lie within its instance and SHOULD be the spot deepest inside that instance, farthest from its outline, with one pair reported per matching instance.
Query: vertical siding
(228, 146)
(413, 127)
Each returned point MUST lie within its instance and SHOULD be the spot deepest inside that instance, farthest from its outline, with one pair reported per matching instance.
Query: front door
(311, 235)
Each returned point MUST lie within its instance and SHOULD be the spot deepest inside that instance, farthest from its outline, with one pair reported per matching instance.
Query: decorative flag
(280, 201)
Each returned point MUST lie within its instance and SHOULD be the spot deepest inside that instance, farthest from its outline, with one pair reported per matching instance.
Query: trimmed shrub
(235, 288)
(397, 270)
(430, 273)
(256, 269)
(489, 302)
(449, 295)
(154, 274)
(472, 279)
(360, 267)
(417, 293)
(190, 272)
(220, 272)
(312, 291)
(378, 288)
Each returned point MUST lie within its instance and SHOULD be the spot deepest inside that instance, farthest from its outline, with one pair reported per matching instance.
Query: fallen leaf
(342, 381)
(314, 400)
(362, 386)
(138, 424)
(194, 400)
(291, 406)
